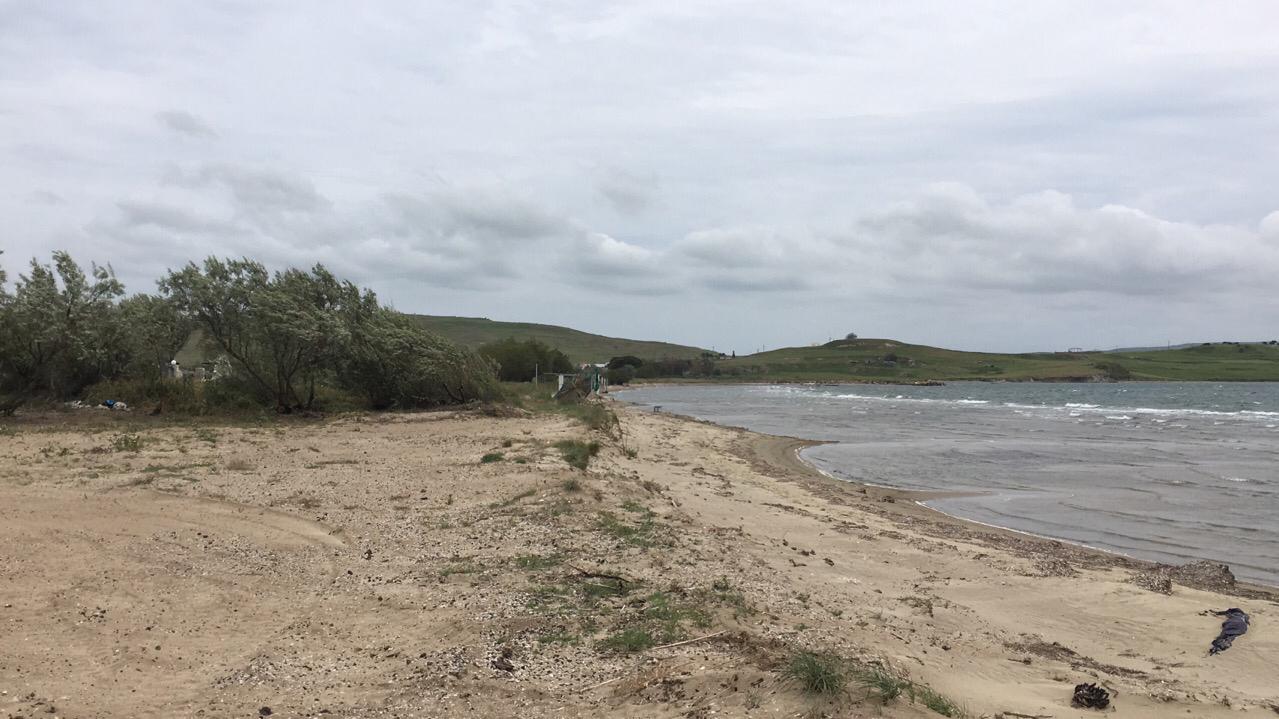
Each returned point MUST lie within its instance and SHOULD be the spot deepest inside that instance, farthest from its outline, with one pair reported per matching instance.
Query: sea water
(1167, 471)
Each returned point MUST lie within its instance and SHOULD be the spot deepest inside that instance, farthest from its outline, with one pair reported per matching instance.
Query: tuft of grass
(572, 484)
(938, 703)
(576, 452)
(630, 640)
(882, 683)
(492, 457)
(822, 674)
(127, 443)
(630, 453)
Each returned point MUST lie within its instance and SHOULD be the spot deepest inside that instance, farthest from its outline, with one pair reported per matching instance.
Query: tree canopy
(282, 337)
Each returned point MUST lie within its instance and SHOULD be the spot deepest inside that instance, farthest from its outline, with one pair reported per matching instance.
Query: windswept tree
(59, 331)
(288, 332)
(279, 331)
(394, 363)
(154, 331)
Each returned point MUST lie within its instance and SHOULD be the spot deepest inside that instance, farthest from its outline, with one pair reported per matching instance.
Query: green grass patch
(628, 640)
(576, 452)
(822, 674)
(638, 535)
(492, 457)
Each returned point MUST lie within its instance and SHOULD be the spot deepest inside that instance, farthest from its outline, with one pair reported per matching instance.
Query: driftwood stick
(1019, 715)
(690, 641)
(606, 681)
(601, 575)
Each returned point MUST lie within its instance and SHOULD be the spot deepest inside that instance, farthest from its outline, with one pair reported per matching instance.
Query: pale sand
(164, 583)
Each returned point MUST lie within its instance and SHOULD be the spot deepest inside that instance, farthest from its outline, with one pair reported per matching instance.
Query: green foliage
(576, 452)
(396, 364)
(492, 457)
(60, 331)
(289, 340)
(520, 361)
(631, 639)
(822, 674)
(881, 682)
(625, 361)
(622, 375)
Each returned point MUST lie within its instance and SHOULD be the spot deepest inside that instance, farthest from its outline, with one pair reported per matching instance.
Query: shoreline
(781, 455)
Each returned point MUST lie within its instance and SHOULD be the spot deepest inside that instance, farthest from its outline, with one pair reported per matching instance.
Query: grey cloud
(256, 189)
(169, 217)
(185, 123)
(626, 192)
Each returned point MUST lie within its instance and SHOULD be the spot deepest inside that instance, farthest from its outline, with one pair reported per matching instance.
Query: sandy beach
(377, 566)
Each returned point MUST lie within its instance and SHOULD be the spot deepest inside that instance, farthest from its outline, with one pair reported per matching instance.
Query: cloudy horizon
(997, 176)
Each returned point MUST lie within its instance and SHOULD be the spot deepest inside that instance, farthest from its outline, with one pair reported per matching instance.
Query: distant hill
(890, 360)
(579, 346)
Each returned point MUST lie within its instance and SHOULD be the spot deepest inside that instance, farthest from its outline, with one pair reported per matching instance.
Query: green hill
(579, 346)
(871, 360)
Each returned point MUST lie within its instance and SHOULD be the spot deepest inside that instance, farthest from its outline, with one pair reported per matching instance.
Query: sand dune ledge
(375, 566)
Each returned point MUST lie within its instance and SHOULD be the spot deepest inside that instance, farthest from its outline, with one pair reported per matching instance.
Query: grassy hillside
(579, 346)
(888, 360)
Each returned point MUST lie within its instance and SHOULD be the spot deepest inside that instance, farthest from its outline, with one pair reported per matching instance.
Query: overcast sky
(1004, 176)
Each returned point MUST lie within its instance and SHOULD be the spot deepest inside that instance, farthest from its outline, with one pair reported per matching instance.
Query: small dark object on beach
(503, 662)
(1236, 625)
(265, 712)
(1090, 696)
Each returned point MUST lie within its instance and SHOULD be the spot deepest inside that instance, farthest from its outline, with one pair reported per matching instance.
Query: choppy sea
(1167, 471)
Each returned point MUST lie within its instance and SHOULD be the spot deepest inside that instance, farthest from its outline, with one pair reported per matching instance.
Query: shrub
(518, 361)
(576, 452)
(492, 457)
